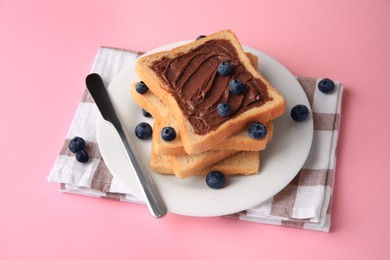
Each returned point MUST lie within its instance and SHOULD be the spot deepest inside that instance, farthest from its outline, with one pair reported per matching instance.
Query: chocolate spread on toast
(198, 88)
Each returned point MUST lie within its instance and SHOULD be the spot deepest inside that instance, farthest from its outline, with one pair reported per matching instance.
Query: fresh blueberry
(143, 131)
(200, 37)
(215, 179)
(326, 86)
(141, 87)
(299, 113)
(146, 113)
(225, 68)
(82, 156)
(76, 144)
(237, 87)
(224, 109)
(168, 133)
(257, 130)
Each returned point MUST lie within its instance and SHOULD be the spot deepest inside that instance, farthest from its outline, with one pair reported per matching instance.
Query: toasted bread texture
(164, 117)
(241, 163)
(155, 106)
(237, 142)
(183, 164)
(198, 133)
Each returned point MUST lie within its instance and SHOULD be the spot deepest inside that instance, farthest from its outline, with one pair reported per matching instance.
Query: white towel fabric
(304, 203)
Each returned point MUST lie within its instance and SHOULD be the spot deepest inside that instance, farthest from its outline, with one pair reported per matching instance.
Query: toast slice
(151, 103)
(184, 163)
(192, 89)
(156, 107)
(164, 117)
(245, 163)
(187, 164)
(238, 142)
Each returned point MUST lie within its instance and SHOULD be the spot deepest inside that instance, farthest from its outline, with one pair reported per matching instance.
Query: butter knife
(99, 93)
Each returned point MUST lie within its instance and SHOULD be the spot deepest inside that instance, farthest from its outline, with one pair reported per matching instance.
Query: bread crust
(163, 117)
(242, 163)
(194, 143)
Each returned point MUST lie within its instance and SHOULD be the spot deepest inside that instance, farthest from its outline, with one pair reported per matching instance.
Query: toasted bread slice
(245, 163)
(161, 113)
(156, 107)
(161, 147)
(185, 163)
(164, 117)
(200, 126)
(151, 103)
(237, 142)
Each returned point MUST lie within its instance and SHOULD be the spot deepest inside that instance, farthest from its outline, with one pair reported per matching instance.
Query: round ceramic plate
(279, 163)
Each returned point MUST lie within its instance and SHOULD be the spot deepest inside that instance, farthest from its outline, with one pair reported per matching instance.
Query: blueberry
(76, 144)
(168, 133)
(143, 131)
(215, 179)
(146, 113)
(141, 87)
(257, 130)
(224, 109)
(299, 113)
(225, 68)
(200, 37)
(82, 156)
(237, 87)
(326, 86)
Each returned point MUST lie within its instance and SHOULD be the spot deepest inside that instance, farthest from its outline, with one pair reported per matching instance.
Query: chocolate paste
(198, 88)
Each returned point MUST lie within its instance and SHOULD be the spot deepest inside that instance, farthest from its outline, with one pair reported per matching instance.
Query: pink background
(47, 49)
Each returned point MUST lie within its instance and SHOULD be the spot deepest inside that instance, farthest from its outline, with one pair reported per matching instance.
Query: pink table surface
(47, 49)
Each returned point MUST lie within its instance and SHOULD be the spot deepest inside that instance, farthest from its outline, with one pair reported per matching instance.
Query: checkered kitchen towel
(304, 203)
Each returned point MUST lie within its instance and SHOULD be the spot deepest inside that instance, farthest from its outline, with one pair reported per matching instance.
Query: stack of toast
(184, 90)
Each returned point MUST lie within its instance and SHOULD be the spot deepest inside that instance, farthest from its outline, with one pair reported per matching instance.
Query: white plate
(280, 162)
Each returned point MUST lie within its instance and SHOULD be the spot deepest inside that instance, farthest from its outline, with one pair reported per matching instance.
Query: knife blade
(102, 99)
